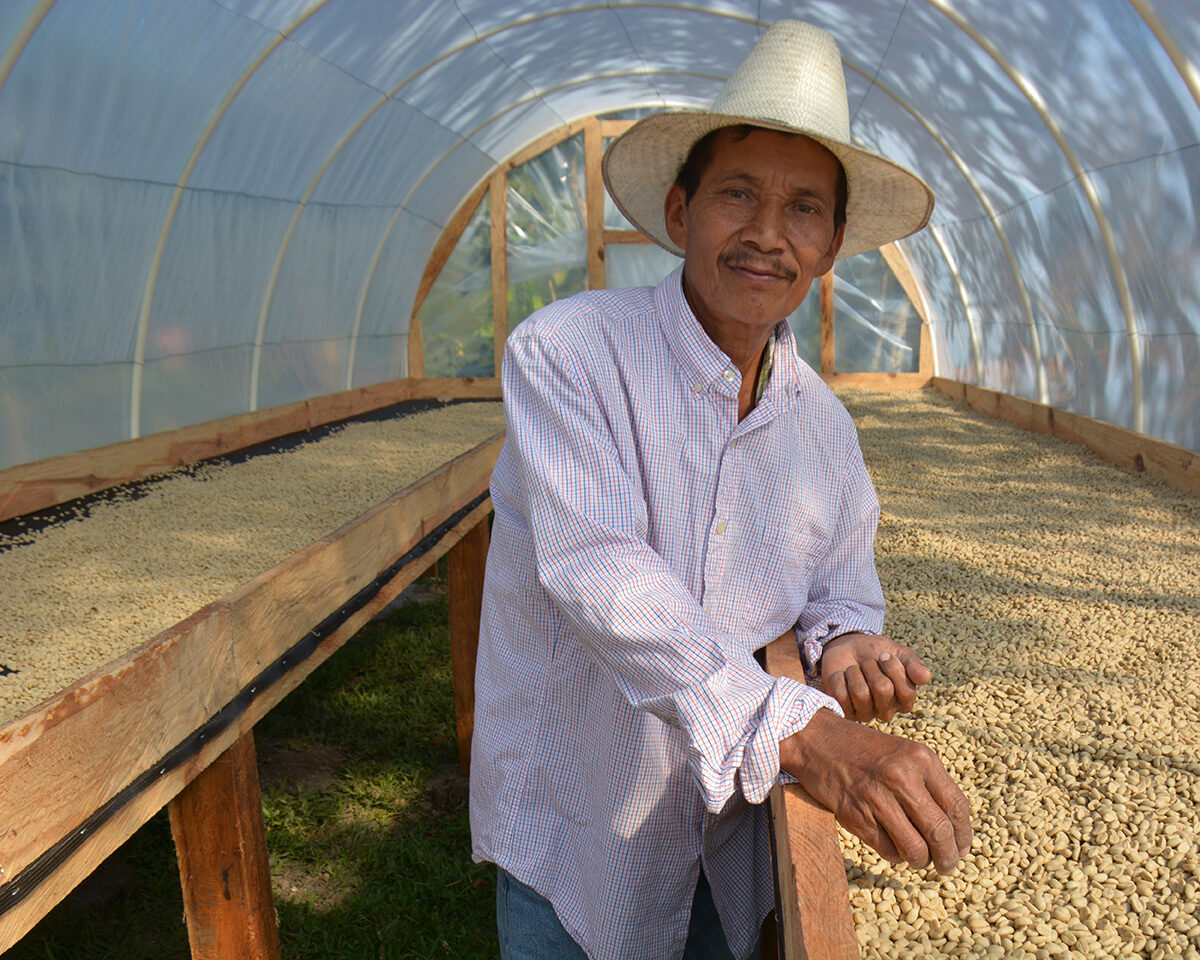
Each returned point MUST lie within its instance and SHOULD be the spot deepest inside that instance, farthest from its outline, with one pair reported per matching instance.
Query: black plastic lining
(17, 889)
(15, 531)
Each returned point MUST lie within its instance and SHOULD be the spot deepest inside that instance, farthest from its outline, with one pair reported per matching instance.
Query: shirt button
(698, 387)
(729, 375)
(721, 527)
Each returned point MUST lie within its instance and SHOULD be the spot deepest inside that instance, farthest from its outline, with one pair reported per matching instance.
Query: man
(676, 490)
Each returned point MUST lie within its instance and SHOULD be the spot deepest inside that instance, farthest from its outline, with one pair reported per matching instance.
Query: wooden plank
(220, 842)
(542, 144)
(416, 349)
(46, 483)
(1176, 466)
(455, 388)
(878, 381)
(69, 756)
(593, 150)
(499, 241)
(625, 236)
(278, 607)
(814, 907)
(827, 353)
(467, 562)
(614, 128)
(29, 791)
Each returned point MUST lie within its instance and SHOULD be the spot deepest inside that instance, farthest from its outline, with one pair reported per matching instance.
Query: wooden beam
(499, 218)
(614, 128)
(878, 381)
(625, 236)
(815, 922)
(72, 755)
(828, 364)
(217, 823)
(466, 564)
(456, 388)
(1174, 465)
(593, 150)
(416, 348)
(542, 144)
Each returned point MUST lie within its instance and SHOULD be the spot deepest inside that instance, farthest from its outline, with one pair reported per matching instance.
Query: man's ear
(825, 264)
(675, 215)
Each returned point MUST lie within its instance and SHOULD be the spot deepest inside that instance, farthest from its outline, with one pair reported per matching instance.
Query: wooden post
(466, 562)
(499, 218)
(827, 358)
(593, 150)
(814, 897)
(217, 824)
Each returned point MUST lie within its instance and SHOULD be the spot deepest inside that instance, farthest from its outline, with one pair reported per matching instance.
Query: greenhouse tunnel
(224, 223)
(215, 207)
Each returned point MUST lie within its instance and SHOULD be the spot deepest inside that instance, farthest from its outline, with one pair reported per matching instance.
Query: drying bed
(80, 592)
(1057, 600)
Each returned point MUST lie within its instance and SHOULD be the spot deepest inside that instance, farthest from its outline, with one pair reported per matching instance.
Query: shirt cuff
(796, 705)
(813, 640)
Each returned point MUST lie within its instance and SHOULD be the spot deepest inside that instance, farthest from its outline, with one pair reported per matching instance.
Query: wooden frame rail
(47, 483)
(813, 903)
(83, 770)
(1175, 465)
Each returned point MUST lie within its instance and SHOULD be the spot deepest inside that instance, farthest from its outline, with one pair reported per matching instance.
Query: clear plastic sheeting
(875, 327)
(637, 264)
(805, 322)
(547, 229)
(208, 206)
(457, 326)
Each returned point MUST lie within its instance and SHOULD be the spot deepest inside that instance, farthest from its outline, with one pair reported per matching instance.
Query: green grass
(366, 823)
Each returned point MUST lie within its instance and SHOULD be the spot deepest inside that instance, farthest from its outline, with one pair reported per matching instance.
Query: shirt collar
(705, 363)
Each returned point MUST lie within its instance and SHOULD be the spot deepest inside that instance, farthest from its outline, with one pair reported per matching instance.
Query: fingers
(915, 667)
(950, 798)
(878, 680)
(904, 691)
(883, 690)
(861, 701)
(893, 793)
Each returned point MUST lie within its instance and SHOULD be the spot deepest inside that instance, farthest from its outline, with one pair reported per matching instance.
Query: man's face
(757, 230)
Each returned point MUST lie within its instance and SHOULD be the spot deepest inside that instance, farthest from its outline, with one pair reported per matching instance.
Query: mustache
(743, 258)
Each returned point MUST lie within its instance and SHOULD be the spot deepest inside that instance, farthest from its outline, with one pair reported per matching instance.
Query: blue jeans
(529, 928)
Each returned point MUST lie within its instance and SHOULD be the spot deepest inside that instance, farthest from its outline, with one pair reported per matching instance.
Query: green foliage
(373, 863)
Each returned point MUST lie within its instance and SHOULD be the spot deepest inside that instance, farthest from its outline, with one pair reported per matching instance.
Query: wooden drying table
(170, 722)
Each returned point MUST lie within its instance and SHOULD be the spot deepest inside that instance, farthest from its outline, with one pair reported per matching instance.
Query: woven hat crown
(794, 77)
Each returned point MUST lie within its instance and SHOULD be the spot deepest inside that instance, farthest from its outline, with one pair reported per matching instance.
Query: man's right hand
(892, 793)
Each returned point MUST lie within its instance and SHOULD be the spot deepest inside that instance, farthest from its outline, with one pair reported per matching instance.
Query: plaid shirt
(645, 544)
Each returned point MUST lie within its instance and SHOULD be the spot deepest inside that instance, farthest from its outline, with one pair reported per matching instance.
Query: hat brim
(885, 201)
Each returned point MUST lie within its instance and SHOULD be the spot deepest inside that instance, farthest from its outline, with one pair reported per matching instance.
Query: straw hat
(791, 81)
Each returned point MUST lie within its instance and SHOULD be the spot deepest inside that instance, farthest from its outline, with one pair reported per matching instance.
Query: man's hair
(700, 156)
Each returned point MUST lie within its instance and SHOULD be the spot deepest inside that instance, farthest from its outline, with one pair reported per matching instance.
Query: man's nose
(765, 228)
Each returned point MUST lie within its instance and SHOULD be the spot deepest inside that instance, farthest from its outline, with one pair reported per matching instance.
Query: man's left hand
(872, 676)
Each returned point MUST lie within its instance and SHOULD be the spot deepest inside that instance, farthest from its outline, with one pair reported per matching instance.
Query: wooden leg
(466, 562)
(217, 824)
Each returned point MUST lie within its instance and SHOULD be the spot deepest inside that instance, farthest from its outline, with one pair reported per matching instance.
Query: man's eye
(736, 193)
